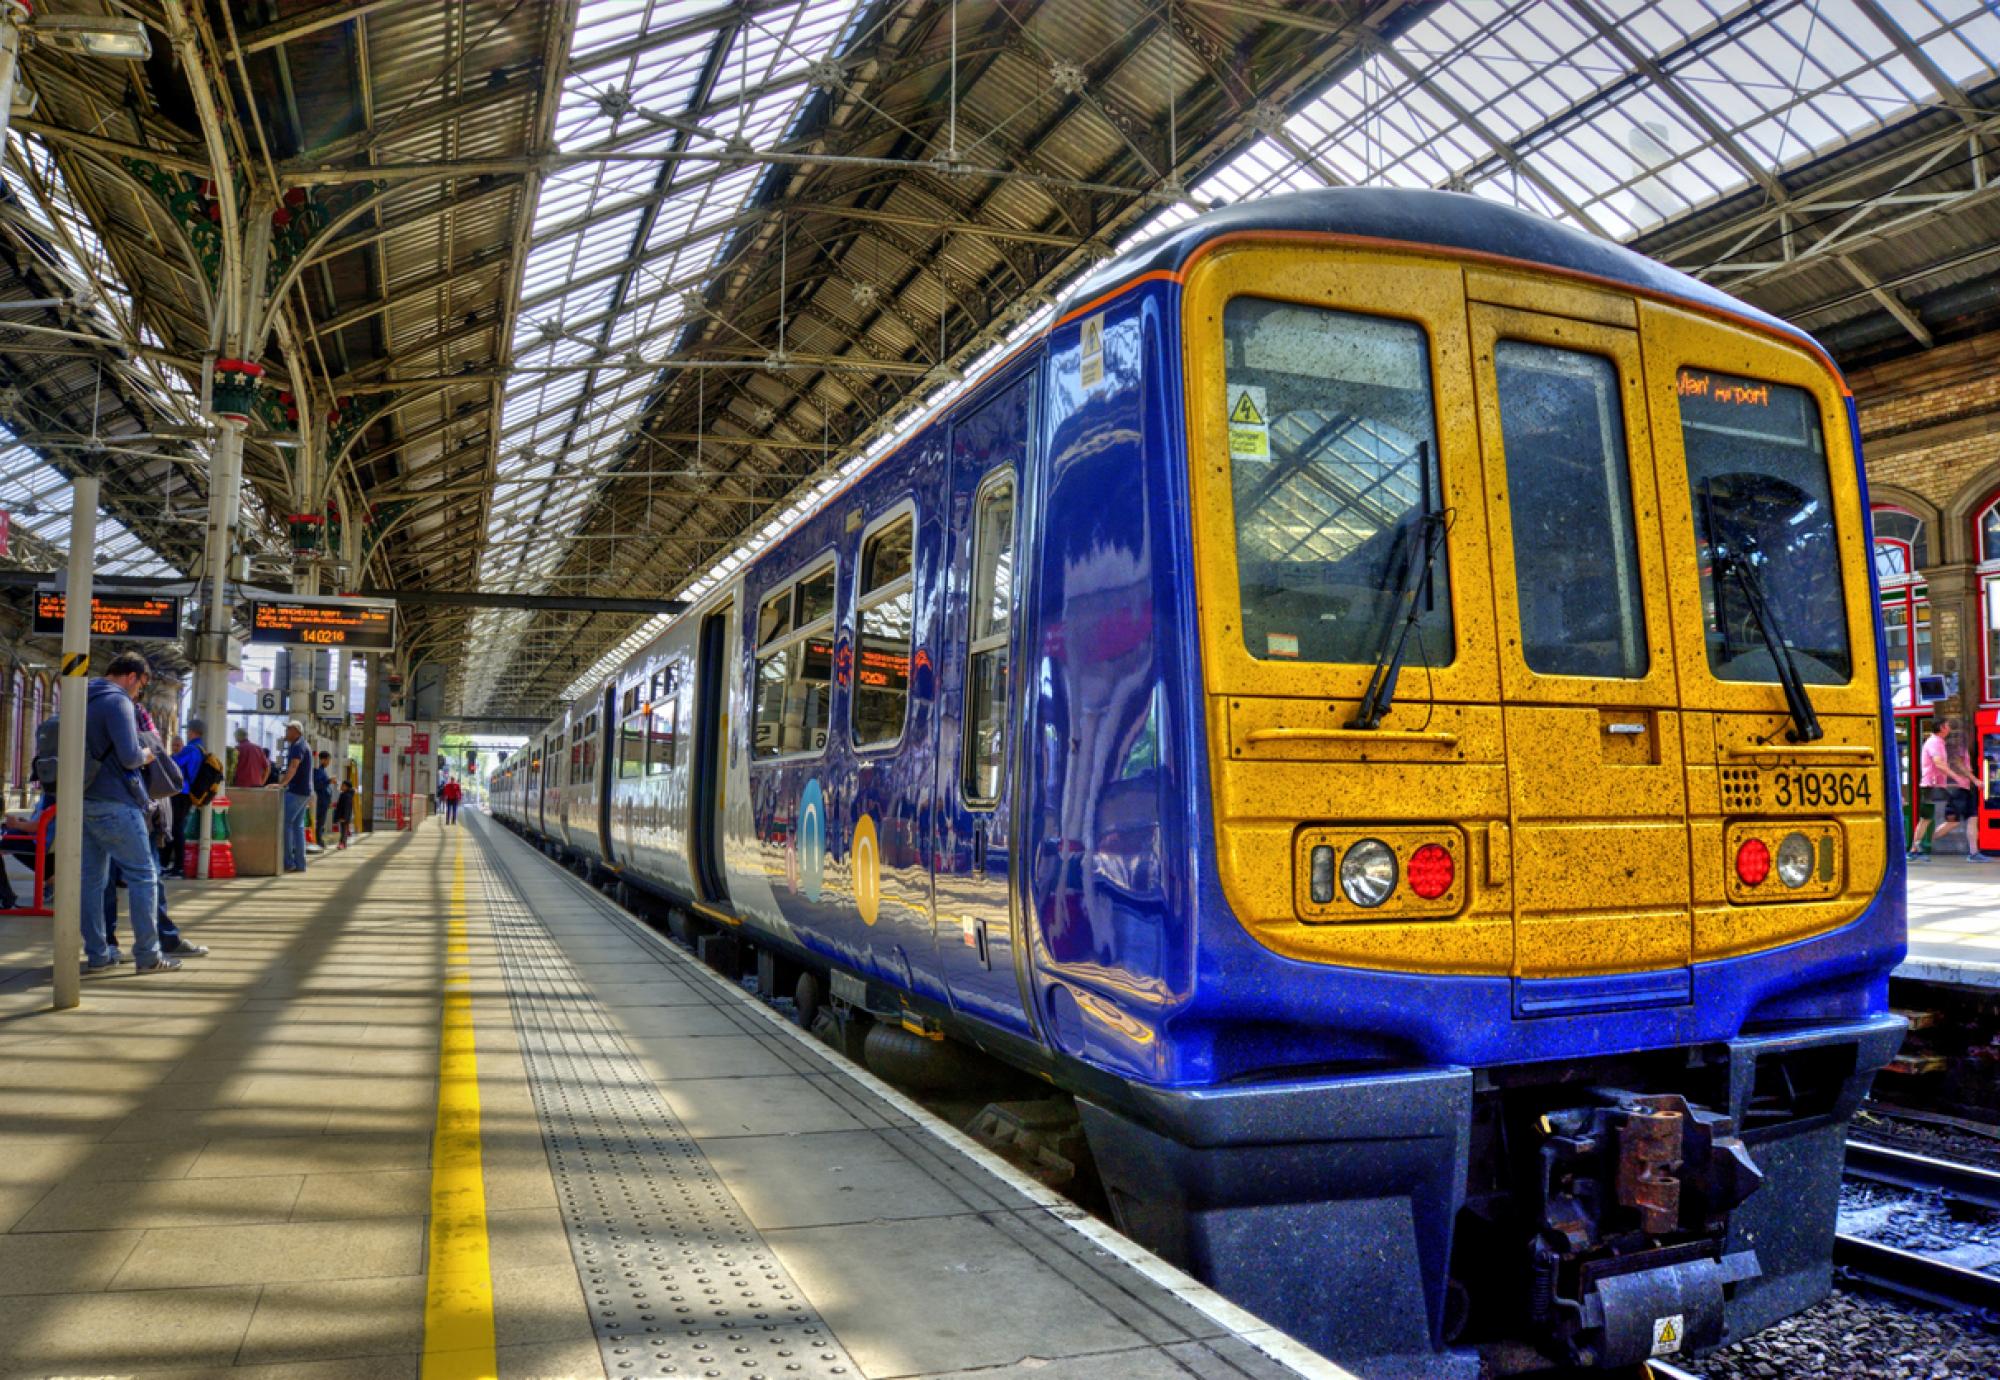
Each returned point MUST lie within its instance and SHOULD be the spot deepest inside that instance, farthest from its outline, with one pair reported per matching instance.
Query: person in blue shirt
(188, 759)
(298, 785)
(114, 818)
(322, 796)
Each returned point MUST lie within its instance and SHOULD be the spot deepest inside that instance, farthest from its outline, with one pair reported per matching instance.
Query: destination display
(156, 616)
(352, 624)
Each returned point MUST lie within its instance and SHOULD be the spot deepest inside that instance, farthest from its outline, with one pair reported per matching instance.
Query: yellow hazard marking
(76, 664)
(1249, 424)
(458, 1293)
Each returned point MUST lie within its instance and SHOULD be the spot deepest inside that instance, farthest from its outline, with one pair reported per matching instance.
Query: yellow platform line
(458, 1293)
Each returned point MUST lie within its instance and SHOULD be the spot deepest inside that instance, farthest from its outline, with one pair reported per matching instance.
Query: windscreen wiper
(1375, 701)
(1728, 565)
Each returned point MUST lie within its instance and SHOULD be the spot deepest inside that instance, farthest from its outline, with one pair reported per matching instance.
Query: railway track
(1965, 1183)
(1909, 1274)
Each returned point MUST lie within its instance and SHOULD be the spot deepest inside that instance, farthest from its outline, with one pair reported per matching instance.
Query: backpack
(207, 780)
(48, 738)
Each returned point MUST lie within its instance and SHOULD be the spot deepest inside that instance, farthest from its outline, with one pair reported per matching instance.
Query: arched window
(1902, 547)
(1986, 547)
(1902, 550)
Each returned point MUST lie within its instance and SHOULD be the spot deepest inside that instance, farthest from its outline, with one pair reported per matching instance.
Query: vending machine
(1986, 778)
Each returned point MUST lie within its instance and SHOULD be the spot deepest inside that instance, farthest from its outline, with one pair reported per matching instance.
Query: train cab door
(1596, 788)
(974, 922)
(711, 749)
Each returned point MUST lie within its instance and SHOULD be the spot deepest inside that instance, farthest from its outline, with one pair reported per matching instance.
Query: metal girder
(1894, 305)
(1857, 207)
(305, 22)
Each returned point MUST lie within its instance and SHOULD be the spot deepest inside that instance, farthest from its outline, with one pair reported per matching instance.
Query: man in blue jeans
(298, 785)
(114, 817)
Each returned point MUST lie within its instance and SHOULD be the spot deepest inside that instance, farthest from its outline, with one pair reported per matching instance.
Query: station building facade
(1930, 434)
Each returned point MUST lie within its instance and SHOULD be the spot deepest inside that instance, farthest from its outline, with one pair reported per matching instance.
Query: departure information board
(155, 616)
(354, 625)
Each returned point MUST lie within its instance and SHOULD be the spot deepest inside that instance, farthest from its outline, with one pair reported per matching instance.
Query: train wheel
(808, 996)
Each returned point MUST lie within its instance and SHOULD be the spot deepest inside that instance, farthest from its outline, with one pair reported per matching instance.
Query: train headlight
(1753, 862)
(1368, 873)
(1795, 861)
(1322, 874)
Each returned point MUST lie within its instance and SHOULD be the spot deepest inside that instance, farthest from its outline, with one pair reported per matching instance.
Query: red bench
(40, 836)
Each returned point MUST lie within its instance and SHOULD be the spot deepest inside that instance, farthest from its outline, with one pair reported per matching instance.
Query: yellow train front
(1537, 828)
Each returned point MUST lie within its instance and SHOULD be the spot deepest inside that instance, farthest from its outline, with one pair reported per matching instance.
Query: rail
(1922, 1278)
(1965, 1183)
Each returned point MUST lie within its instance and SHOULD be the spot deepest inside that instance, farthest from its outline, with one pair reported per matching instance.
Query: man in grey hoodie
(114, 817)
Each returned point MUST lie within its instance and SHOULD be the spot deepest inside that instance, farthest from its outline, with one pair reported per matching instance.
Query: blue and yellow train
(1380, 701)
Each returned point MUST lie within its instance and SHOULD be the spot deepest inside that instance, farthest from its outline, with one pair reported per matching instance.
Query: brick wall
(1930, 422)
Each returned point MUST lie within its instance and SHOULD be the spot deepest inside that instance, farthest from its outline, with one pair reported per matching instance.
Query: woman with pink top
(1947, 782)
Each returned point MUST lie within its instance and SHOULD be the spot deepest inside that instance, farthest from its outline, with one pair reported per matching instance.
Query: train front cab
(1589, 947)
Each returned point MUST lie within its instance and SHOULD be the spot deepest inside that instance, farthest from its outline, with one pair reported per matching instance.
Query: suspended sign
(153, 616)
(355, 625)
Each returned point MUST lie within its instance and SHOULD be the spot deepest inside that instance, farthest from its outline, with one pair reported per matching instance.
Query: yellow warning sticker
(1249, 423)
(1090, 359)
(1667, 1333)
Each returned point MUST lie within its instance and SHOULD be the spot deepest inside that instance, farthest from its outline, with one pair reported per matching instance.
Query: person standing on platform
(322, 796)
(253, 764)
(297, 781)
(114, 818)
(452, 794)
(343, 811)
(188, 760)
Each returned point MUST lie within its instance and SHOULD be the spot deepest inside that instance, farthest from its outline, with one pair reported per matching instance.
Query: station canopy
(587, 299)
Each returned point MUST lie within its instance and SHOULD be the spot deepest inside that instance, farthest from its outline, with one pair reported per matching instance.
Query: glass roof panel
(1534, 103)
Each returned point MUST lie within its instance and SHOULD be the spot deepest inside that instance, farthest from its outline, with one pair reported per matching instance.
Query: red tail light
(1430, 871)
(1753, 862)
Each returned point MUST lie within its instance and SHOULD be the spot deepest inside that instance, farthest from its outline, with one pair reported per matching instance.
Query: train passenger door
(974, 921)
(711, 749)
(1597, 795)
(600, 781)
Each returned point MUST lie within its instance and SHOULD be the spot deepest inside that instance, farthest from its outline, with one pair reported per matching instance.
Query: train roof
(1442, 220)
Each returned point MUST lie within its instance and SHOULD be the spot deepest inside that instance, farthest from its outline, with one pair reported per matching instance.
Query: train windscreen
(1757, 476)
(1332, 446)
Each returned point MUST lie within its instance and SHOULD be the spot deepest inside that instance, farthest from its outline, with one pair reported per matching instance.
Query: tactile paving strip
(679, 1283)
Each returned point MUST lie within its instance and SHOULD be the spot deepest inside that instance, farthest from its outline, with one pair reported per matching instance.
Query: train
(1379, 700)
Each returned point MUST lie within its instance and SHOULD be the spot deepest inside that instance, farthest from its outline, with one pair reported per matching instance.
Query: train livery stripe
(458, 1291)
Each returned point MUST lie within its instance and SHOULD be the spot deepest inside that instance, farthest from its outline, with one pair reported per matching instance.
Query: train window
(882, 642)
(774, 620)
(1757, 474)
(661, 744)
(632, 743)
(558, 759)
(1333, 472)
(992, 604)
(794, 691)
(815, 597)
(1576, 563)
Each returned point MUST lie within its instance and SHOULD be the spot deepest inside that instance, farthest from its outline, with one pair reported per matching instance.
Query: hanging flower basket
(233, 389)
(306, 530)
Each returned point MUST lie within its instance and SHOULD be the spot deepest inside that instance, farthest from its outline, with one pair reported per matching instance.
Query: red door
(1986, 777)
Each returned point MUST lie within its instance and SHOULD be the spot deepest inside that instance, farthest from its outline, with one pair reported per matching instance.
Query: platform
(1954, 922)
(254, 1165)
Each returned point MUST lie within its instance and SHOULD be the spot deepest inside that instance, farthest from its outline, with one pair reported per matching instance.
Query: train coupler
(1636, 1191)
